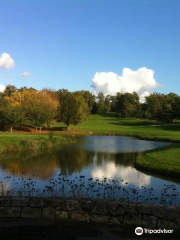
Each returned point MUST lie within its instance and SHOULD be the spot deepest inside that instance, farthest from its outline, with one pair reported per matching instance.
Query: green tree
(101, 103)
(127, 104)
(9, 90)
(88, 97)
(73, 109)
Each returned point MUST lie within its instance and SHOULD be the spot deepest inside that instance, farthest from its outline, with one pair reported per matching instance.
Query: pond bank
(88, 210)
(27, 142)
(164, 160)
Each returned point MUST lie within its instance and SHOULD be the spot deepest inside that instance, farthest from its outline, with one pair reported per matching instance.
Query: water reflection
(96, 157)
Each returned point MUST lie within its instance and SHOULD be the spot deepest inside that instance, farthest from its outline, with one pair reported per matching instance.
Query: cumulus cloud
(141, 81)
(6, 61)
(128, 174)
(25, 74)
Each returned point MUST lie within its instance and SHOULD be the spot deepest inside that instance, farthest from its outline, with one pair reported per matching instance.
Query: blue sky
(64, 43)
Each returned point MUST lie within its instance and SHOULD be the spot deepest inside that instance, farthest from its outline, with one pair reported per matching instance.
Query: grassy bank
(17, 142)
(109, 124)
(165, 160)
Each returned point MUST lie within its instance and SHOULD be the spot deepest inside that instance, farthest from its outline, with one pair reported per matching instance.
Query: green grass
(113, 125)
(165, 160)
(11, 142)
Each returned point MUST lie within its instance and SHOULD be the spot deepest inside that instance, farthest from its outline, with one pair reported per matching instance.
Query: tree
(9, 90)
(127, 104)
(73, 109)
(11, 115)
(101, 103)
(39, 107)
(88, 97)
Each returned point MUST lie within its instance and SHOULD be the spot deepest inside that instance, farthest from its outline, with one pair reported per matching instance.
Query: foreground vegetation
(91, 188)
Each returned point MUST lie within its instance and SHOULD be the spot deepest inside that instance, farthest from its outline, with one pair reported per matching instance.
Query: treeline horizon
(43, 107)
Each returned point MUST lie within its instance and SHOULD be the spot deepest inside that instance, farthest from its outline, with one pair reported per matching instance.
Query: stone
(87, 205)
(114, 220)
(151, 222)
(58, 203)
(112, 208)
(122, 208)
(167, 224)
(37, 202)
(142, 208)
(100, 208)
(20, 202)
(61, 215)
(133, 219)
(173, 213)
(5, 202)
(73, 205)
(10, 212)
(79, 217)
(99, 218)
(158, 211)
(48, 213)
(32, 213)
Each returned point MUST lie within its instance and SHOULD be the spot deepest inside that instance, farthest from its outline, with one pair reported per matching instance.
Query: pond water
(96, 166)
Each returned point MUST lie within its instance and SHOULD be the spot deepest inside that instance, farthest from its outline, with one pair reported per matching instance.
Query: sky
(96, 45)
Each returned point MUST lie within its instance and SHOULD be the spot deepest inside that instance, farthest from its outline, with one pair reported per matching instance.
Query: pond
(95, 166)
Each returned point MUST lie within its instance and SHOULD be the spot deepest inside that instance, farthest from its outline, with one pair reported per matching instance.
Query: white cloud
(128, 174)
(2, 87)
(6, 61)
(141, 81)
(25, 74)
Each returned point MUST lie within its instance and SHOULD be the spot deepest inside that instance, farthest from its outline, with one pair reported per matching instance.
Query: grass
(111, 124)
(17, 142)
(165, 160)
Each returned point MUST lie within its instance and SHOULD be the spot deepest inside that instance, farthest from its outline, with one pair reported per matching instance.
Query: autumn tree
(39, 107)
(11, 114)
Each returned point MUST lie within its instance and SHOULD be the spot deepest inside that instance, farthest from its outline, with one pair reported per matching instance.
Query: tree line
(42, 108)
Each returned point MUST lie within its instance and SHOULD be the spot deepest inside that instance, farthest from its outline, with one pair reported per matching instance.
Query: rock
(173, 213)
(133, 220)
(48, 213)
(58, 203)
(5, 202)
(158, 211)
(122, 208)
(100, 208)
(10, 212)
(98, 218)
(79, 217)
(32, 213)
(37, 202)
(87, 205)
(167, 224)
(112, 208)
(73, 205)
(61, 215)
(20, 202)
(151, 222)
(142, 208)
